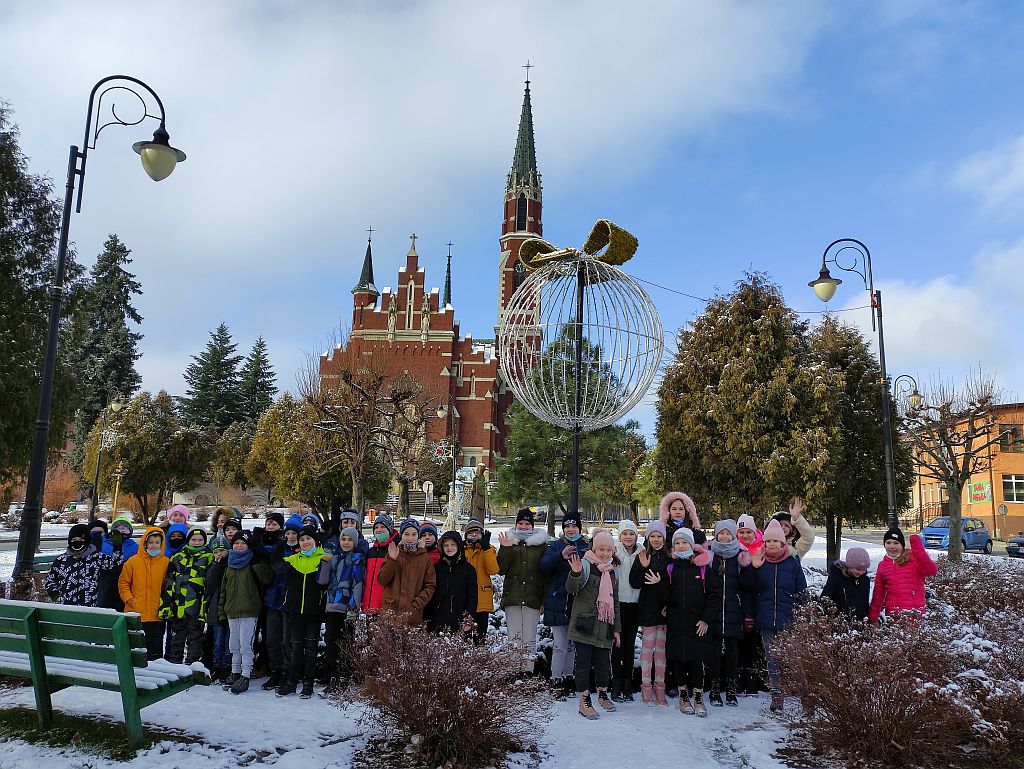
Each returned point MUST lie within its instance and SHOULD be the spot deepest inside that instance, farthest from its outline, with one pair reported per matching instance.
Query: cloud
(996, 177)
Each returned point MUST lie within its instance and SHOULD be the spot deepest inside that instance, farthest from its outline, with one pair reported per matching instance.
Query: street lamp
(914, 398)
(825, 288)
(159, 159)
(119, 473)
(104, 437)
(452, 520)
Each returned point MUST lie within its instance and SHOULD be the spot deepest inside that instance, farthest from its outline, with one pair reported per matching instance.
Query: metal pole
(119, 474)
(31, 514)
(96, 475)
(574, 494)
(890, 470)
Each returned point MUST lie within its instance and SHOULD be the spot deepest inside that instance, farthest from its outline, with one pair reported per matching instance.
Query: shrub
(461, 705)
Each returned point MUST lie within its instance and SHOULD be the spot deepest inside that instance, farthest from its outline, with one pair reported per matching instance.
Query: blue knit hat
(410, 523)
(294, 522)
(384, 520)
(428, 528)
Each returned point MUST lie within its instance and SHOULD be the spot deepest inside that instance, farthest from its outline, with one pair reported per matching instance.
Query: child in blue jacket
(344, 576)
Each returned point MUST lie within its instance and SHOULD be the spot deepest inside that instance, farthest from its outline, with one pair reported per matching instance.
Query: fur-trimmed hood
(691, 508)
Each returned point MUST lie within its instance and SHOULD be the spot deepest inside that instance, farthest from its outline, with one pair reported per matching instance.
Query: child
(732, 564)
(75, 576)
(343, 576)
(454, 601)
(241, 596)
(384, 535)
(483, 557)
(646, 576)
(779, 585)
(849, 586)
(269, 542)
(352, 519)
(694, 604)
(177, 514)
(519, 561)
(557, 601)
(594, 624)
(118, 539)
(141, 587)
(216, 624)
(751, 654)
(304, 605)
(184, 602)
(799, 534)
(428, 542)
(177, 534)
(747, 533)
(678, 511)
(626, 551)
(899, 579)
(407, 575)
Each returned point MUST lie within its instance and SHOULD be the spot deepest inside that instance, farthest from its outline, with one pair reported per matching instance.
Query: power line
(705, 300)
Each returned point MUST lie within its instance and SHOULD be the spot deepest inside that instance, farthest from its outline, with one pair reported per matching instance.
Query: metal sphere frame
(584, 315)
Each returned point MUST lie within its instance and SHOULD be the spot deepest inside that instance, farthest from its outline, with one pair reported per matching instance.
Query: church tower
(522, 219)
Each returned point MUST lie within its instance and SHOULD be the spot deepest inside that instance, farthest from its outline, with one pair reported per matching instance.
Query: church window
(410, 305)
(518, 275)
(521, 212)
(472, 461)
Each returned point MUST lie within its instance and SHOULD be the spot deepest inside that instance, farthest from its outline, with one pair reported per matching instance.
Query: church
(417, 328)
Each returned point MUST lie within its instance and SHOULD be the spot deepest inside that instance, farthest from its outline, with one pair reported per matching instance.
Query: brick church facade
(417, 329)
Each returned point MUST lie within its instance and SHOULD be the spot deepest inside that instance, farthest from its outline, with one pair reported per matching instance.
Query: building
(996, 496)
(417, 329)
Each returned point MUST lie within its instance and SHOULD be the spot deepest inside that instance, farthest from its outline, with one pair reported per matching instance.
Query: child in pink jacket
(899, 581)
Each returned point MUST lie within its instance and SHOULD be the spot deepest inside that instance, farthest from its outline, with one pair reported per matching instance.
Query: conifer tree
(214, 394)
(258, 382)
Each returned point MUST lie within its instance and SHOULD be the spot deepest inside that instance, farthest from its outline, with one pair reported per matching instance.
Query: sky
(727, 136)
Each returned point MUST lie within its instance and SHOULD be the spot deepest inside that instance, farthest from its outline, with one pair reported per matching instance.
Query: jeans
(221, 653)
(522, 629)
(562, 653)
(592, 658)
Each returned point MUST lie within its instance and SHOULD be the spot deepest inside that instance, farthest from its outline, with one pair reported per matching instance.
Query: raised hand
(757, 558)
(505, 539)
(702, 628)
(796, 507)
(652, 577)
(645, 558)
(575, 564)
(393, 551)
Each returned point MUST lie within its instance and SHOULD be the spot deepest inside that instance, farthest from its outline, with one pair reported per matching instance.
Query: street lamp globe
(442, 411)
(916, 399)
(825, 285)
(158, 156)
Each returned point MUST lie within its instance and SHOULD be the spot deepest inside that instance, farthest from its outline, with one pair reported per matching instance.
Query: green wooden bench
(60, 646)
(43, 562)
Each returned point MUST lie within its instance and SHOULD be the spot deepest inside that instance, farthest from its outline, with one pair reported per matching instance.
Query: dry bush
(976, 585)
(461, 705)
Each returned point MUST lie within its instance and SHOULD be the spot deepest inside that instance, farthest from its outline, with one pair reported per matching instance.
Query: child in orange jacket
(141, 587)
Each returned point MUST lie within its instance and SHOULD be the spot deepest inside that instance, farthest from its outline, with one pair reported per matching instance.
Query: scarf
(605, 594)
(521, 534)
(237, 560)
(779, 557)
(725, 549)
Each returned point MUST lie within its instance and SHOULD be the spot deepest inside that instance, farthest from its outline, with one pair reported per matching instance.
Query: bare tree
(952, 433)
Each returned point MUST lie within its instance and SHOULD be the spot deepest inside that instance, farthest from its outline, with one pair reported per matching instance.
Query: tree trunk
(143, 508)
(403, 498)
(833, 536)
(552, 507)
(357, 490)
(955, 549)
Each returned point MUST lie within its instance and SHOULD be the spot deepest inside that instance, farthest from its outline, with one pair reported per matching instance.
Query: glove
(165, 613)
(256, 541)
(117, 540)
(748, 625)
(569, 552)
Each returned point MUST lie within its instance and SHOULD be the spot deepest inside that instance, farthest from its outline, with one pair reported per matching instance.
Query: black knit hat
(276, 516)
(245, 536)
(526, 514)
(310, 531)
(571, 519)
(79, 531)
(896, 534)
(236, 522)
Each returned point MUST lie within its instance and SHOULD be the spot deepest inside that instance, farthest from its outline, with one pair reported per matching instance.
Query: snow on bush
(945, 688)
(460, 705)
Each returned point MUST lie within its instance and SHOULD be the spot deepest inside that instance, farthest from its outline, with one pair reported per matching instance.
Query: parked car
(973, 534)
(1015, 546)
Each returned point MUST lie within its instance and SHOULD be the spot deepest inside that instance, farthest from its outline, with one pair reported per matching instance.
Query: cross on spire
(528, 67)
(413, 238)
(370, 231)
(447, 299)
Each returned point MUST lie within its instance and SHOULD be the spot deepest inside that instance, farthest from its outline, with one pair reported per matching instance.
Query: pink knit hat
(602, 537)
(180, 509)
(746, 521)
(774, 531)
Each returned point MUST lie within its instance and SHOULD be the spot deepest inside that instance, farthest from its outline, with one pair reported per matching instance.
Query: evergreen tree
(214, 394)
(110, 348)
(745, 416)
(29, 225)
(258, 382)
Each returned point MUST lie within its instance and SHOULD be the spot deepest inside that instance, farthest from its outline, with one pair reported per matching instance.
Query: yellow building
(996, 495)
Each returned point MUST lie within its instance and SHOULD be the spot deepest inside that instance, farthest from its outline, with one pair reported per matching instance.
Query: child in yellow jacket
(141, 585)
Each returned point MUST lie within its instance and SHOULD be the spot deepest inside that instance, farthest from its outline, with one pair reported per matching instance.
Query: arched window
(410, 304)
(521, 212)
(518, 275)
(472, 461)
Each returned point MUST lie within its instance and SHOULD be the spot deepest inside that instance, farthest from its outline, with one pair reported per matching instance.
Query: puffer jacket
(303, 593)
(483, 557)
(241, 590)
(652, 598)
(694, 595)
(584, 626)
(779, 587)
(343, 576)
(738, 581)
(519, 563)
(627, 593)
(142, 579)
(558, 602)
(185, 593)
(455, 595)
(850, 594)
(373, 590)
(899, 588)
(409, 584)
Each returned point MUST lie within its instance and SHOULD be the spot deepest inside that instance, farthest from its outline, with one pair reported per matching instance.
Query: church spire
(447, 300)
(365, 284)
(524, 175)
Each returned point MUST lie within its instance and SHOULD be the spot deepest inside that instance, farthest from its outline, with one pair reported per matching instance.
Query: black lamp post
(159, 159)
(825, 288)
(444, 410)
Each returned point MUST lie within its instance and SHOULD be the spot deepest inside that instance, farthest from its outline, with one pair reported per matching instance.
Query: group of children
(705, 611)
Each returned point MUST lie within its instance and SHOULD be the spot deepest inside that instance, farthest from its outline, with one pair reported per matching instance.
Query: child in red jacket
(899, 581)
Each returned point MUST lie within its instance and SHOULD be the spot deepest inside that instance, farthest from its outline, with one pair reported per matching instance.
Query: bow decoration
(618, 246)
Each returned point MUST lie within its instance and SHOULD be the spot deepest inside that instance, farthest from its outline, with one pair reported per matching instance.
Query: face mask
(473, 538)
(152, 552)
(309, 552)
(381, 536)
(684, 556)
(574, 538)
(78, 546)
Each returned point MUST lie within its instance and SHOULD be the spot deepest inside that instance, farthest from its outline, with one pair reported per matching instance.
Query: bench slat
(68, 632)
(68, 615)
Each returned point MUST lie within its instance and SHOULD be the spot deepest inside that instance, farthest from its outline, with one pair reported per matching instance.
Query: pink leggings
(652, 654)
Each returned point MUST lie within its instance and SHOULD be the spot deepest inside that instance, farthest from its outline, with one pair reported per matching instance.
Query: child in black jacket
(454, 602)
(848, 585)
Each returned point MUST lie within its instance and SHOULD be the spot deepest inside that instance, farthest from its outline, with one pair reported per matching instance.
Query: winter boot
(287, 687)
(307, 690)
(730, 693)
(753, 683)
(659, 696)
(715, 698)
(647, 694)
(230, 681)
(685, 705)
(273, 681)
(627, 690)
(587, 707)
(672, 691)
(698, 705)
(616, 693)
(604, 701)
(240, 685)
(778, 703)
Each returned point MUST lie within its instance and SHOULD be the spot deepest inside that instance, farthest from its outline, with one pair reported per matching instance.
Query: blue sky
(727, 136)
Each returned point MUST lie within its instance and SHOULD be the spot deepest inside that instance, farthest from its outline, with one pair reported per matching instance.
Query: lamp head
(916, 399)
(442, 411)
(824, 285)
(158, 156)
